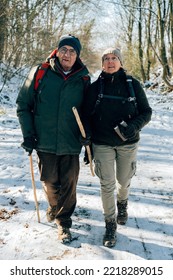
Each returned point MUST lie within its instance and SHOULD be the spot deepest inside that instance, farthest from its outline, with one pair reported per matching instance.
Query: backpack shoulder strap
(130, 85)
(39, 75)
(100, 81)
(129, 81)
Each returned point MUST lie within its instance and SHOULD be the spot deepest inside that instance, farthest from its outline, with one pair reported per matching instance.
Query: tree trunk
(140, 47)
(148, 38)
(163, 56)
(171, 30)
(3, 26)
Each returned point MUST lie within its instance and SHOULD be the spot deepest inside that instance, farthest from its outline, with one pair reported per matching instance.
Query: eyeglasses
(115, 58)
(64, 50)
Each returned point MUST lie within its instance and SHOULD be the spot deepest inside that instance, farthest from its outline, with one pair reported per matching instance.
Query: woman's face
(111, 63)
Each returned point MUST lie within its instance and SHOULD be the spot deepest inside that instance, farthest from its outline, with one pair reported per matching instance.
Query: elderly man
(48, 126)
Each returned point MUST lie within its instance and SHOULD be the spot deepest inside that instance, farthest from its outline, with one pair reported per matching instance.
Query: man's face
(67, 57)
(111, 63)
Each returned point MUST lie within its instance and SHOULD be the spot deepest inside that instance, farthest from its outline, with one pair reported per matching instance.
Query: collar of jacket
(56, 66)
(110, 77)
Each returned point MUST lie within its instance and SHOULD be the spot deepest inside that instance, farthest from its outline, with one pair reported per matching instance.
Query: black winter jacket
(100, 120)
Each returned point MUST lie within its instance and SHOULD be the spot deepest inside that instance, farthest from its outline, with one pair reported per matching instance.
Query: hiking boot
(109, 239)
(64, 234)
(122, 212)
(51, 214)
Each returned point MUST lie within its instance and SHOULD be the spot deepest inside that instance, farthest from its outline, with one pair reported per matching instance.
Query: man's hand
(85, 141)
(29, 144)
(86, 159)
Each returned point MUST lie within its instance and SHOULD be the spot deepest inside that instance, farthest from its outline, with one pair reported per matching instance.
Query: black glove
(86, 159)
(85, 141)
(129, 131)
(29, 144)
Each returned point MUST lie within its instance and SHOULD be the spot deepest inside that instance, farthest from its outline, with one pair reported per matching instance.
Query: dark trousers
(59, 176)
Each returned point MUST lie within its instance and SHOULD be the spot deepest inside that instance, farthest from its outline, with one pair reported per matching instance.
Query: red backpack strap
(42, 69)
(39, 75)
(53, 53)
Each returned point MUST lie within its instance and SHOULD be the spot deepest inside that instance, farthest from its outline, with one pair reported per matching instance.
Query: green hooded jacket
(47, 114)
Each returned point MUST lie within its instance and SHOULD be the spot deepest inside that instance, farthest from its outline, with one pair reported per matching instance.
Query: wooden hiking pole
(83, 135)
(34, 187)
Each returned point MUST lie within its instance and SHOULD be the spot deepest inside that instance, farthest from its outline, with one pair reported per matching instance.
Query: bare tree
(34, 26)
(148, 50)
(154, 21)
(170, 30)
(4, 5)
(163, 15)
(141, 54)
(30, 30)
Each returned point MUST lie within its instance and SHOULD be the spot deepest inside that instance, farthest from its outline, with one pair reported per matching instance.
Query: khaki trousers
(115, 166)
(59, 176)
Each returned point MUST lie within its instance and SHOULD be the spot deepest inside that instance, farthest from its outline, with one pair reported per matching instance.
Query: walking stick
(34, 188)
(83, 135)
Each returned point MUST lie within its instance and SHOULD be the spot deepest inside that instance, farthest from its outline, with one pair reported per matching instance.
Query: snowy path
(148, 234)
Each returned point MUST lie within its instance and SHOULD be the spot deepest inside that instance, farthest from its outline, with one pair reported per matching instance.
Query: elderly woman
(116, 109)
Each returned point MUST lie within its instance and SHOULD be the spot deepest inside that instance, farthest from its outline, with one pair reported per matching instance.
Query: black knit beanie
(72, 41)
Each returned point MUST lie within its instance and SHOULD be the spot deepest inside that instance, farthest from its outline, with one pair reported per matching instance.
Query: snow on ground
(148, 234)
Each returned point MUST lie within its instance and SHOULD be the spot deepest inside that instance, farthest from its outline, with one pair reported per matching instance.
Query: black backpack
(131, 97)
